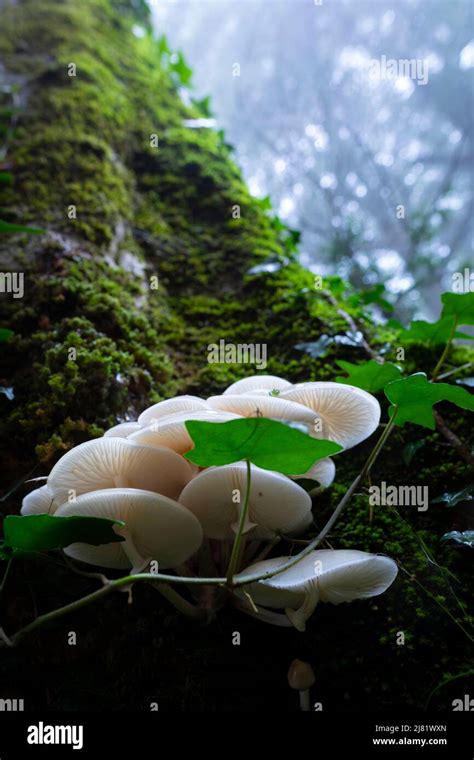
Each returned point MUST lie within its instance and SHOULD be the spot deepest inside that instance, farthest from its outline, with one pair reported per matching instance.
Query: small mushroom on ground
(258, 383)
(171, 406)
(117, 462)
(276, 504)
(324, 575)
(348, 414)
(301, 678)
(123, 430)
(171, 431)
(38, 502)
(157, 528)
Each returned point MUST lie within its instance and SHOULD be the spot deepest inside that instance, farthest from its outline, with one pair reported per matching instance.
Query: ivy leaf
(371, 376)
(451, 498)
(410, 450)
(466, 538)
(45, 532)
(336, 285)
(415, 397)
(203, 106)
(267, 443)
(460, 306)
(429, 332)
(8, 228)
(5, 334)
(179, 67)
(373, 295)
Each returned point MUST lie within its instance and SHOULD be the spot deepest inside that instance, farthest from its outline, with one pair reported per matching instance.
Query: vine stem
(234, 557)
(446, 349)
(5, 576)
(158, 578)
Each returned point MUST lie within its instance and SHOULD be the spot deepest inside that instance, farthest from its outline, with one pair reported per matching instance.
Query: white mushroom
(39, 502)
(117, 462)
(123, 430)
(256, 384)
(323, 471)
(324, 575)
(348, 414)
(273, 407)
(157, 528)
(216, 496)
(171, 431)
(171, 406)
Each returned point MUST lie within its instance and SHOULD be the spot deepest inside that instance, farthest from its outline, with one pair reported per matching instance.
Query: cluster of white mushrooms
(171, 508)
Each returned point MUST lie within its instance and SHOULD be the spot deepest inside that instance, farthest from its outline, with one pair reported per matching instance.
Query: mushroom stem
(265, 616)
(304, 700)
(234, 557)
(179, 602)
(137, 561)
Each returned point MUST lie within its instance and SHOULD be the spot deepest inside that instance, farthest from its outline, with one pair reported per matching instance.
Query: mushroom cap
(340, 575)
(171, 431)
(171, 406)
(123, 430)
(39, 502)
(160, 528)
(324, 471)
(301, 675)
(273, 407)
(257, 383)
(117, 462)
(276, 502)
(348, 414)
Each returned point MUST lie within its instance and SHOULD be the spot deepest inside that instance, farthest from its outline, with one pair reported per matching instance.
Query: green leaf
(415, 397)
(336, 285)
(267, 443)
(44, 532)
(410, 450)
(429, 332)
(373, 295)
(371, 376)
(6, 178)
(203, 106)
(179, 67)
(7, 228)
(5, 334)
(465, 538)
(451, 498)
(460, 306)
